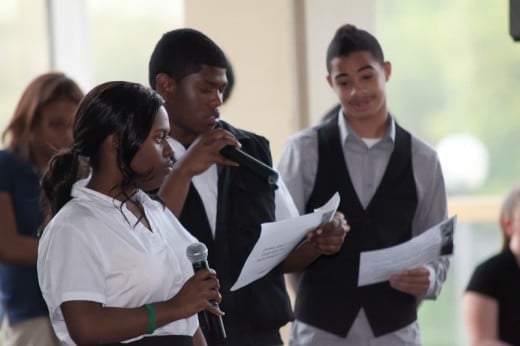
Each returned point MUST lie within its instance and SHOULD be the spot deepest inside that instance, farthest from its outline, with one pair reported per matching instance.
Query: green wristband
(151, 315)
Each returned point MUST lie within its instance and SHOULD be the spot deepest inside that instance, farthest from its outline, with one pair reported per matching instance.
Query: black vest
(244, 202)
(328, 296)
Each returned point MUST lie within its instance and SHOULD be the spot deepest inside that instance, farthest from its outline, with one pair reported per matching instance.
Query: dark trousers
(241, 333)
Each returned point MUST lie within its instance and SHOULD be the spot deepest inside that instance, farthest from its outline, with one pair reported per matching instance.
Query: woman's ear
(115, 141)
(507, 226)
(110, 145)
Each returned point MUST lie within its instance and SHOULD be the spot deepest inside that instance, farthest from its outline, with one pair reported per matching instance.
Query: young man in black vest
(391, 188)
(223, 204)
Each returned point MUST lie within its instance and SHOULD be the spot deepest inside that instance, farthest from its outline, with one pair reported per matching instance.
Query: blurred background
(456, 71)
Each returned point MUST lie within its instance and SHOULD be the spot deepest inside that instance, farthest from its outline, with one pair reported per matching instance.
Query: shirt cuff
(431, 288)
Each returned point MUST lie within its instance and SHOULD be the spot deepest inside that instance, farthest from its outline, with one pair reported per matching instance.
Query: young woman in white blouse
(112, 261)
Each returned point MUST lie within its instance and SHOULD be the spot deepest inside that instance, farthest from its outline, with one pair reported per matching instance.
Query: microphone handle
(248, 161)
(217, 331)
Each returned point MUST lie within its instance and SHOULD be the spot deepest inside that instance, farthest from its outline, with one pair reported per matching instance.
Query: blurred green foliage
(455, 68)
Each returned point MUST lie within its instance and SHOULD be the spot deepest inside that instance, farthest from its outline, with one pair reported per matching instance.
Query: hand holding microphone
(198, 255)
(201, 154)
(256, 166)
(205, 151)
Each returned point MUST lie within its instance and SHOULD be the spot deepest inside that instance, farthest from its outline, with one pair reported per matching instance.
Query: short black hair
(182, 52)
(230, 75)
(349, 39)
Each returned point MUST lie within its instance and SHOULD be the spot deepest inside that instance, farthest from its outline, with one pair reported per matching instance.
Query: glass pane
(123, 34)
(24, 50)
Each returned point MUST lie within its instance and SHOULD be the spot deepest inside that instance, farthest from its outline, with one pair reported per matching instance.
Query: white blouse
(93, 250)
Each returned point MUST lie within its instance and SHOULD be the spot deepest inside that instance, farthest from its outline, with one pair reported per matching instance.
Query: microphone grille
(197, 252)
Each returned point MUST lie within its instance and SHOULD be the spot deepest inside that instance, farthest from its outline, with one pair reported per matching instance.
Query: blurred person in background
(491, 303)
(40, 126)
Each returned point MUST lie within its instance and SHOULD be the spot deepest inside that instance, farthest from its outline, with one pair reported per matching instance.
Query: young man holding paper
(223, 205)
(391, 189)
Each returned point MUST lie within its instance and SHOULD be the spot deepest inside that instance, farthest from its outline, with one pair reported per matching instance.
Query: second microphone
(198, 255)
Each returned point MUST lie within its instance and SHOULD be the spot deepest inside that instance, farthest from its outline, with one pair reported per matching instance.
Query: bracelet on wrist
(151, 316)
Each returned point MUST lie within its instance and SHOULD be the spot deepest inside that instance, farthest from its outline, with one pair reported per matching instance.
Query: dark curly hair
(124, 109)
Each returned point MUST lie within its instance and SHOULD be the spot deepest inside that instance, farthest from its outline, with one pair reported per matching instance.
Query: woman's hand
(197, 293)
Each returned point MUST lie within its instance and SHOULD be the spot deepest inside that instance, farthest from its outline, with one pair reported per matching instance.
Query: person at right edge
(391, 189)
(220, 203)
(491, 301)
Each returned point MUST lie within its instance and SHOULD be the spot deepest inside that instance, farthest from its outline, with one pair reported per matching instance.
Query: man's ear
(165, 85)
(387, 67)
(329, 80)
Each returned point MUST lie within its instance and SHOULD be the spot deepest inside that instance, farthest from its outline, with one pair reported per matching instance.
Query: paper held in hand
(378, 265)
(278, 239)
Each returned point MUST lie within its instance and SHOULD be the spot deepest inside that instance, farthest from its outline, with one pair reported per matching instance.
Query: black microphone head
(197, 252)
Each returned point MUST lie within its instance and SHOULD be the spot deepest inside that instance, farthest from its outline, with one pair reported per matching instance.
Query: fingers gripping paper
(278, 239)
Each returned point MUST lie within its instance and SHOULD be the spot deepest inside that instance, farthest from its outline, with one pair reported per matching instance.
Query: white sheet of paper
(278, 239)
(378, 265)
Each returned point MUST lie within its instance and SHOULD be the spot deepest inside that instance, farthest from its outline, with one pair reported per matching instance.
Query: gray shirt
(367, 161)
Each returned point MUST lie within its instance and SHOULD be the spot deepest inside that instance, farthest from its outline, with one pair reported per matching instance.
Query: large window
(93, 41)
(455, 71)
(454, 83)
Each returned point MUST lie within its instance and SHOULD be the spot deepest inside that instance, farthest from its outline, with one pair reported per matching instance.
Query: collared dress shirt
(367, 160)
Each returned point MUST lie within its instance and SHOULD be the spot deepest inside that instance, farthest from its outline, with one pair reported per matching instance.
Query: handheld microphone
(198, 255)
(248, 161)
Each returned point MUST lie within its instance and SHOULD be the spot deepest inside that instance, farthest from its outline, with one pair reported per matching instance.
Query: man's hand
(326, 240)
(412, 281)
(201, 154)
(205, 151)
(329, 238)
